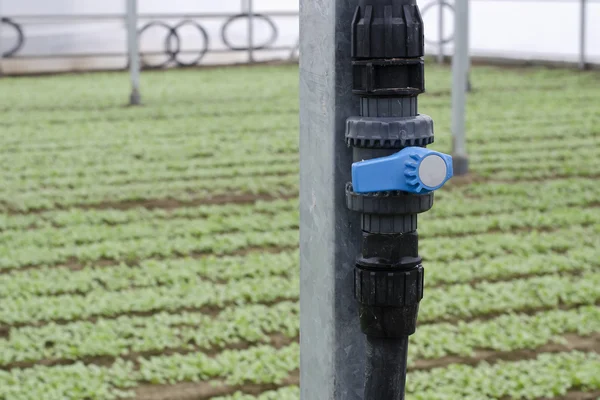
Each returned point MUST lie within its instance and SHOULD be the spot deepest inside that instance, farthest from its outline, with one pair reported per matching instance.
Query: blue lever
(413, 169)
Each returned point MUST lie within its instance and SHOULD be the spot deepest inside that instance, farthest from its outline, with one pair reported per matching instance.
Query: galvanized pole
(332, 347)
(440, 57)
(1, 48)
(134, 54)
(250, 31)
(582, 34)
(460, 73)
(468, 28)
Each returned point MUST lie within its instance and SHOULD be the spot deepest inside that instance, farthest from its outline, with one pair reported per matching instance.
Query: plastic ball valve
(413, 169)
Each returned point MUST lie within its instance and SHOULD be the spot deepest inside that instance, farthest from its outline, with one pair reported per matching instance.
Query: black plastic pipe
(386, 368)
(388, 75)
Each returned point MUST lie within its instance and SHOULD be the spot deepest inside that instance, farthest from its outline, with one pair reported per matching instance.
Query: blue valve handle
(413, 169)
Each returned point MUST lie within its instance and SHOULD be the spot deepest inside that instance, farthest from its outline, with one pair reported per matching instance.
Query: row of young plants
(251, 324)
(161, 98)
(536, 105)
(505, 333)
(449, 249)
(470, 301)
(260, 364)
(584, 192)
(461, 201)
(85, 161)
(184, 296)
(556, 187)
(124, 336)
(143, 167)
(159, 143)
(499, 152)
(271, 185)
(122, 129)
(175, 111)
(90, 137)
(92, 217)
(88, 163)
(549, 375)
(454, 203)
(205, 141)
(108, 87)
(149, 273)
(106, 163)
(507, 170)
(162, 246)
(540, 125)
(557, 163)
(174, 86)
(192, 190)
(181, 190)
(172, 272)
(240, 166)
(585, 167)
(448, 302)
(185, 146)
(217, 223)
(159, 246)
(265, 100)
(198, 175)
(274, 106)
(172, 229)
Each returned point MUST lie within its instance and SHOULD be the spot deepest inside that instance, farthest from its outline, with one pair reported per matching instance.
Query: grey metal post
(460, 72)
(440, 57)
(134, 54)
(468, 46)
(251, 31)
(332, 347)
(1, 48)
(582, 34)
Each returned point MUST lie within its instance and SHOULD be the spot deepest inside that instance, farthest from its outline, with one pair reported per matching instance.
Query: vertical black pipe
(388, 70)
(386, 368)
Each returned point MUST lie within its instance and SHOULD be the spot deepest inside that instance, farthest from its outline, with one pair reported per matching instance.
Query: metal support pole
(440, 57)
(332, 346)
(251, 31)
(1, 48)
(582, 34)
(134, 54)
(468, 46)
(460, 72)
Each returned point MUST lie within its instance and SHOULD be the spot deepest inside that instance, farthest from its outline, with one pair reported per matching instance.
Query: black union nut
(388, 300)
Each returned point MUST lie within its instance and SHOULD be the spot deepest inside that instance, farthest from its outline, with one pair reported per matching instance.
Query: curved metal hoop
(174, 53)
(170, 54)
(267, 44)
(20, 37)
(429, 7)
(172, 43)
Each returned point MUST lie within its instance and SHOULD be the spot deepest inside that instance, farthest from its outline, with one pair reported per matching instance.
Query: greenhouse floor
(153, 251)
